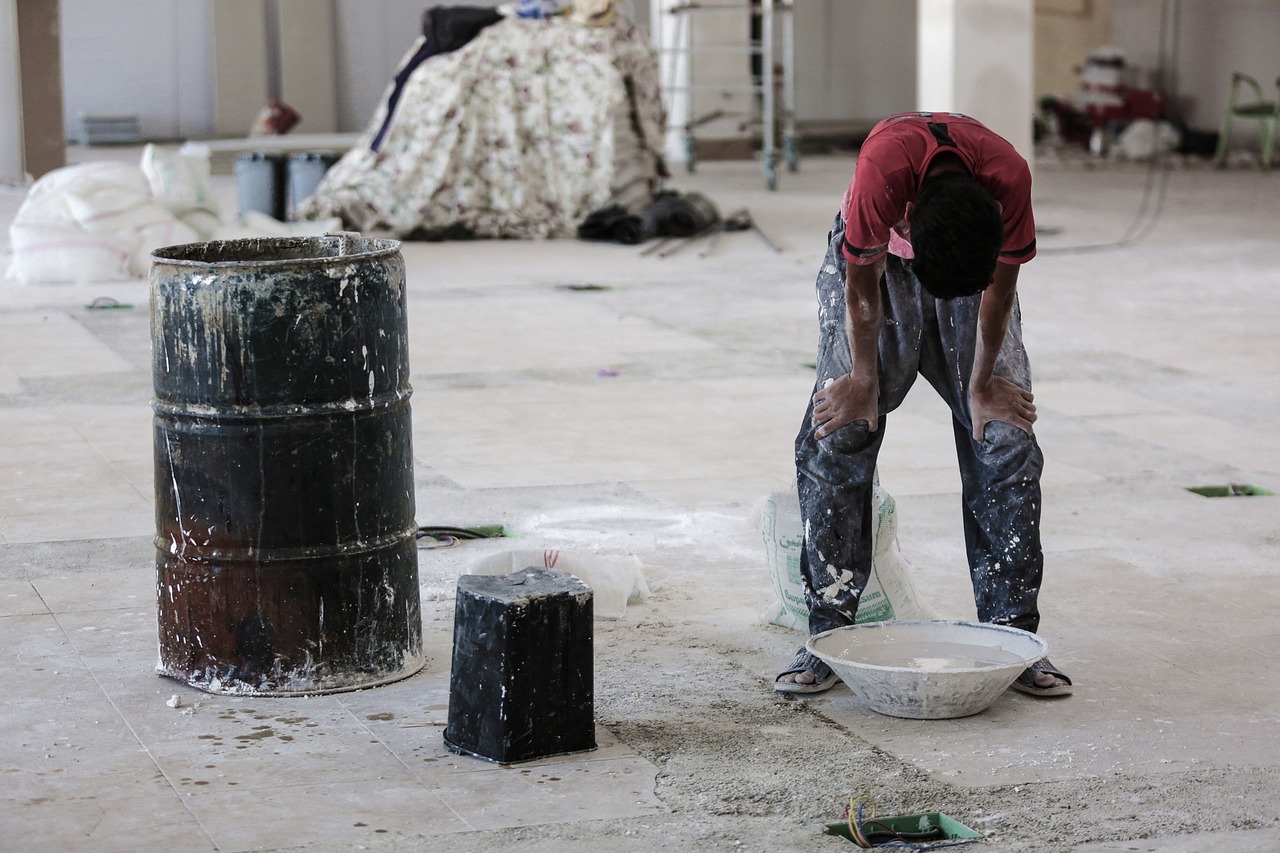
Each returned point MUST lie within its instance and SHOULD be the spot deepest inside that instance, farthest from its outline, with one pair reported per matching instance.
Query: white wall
(153, 59)
(372, 39)
(854, 63)
(1218, 37)
(149, 58)
(976, 58)
(855, 59)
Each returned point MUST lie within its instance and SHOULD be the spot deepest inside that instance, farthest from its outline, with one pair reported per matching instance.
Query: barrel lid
(277, 251)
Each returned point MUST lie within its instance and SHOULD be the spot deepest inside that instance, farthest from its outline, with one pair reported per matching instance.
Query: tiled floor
(94, 739)
(645, 419)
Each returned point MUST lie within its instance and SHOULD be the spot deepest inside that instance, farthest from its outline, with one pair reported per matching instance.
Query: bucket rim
(359, 248)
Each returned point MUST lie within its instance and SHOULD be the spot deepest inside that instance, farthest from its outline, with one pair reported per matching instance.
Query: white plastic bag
(1143, 139)
(890, 592)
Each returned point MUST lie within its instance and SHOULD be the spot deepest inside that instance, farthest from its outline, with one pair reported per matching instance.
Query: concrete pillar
(975, 57)
(11, 168)
(672, 38)
(32, 139)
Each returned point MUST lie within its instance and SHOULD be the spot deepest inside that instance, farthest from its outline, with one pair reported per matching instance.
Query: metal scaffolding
(771, 84)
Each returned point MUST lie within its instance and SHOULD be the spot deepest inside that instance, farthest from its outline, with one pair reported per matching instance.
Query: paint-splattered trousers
(1000, 477)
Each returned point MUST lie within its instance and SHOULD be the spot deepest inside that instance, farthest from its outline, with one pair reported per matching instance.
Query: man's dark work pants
(1000, 477)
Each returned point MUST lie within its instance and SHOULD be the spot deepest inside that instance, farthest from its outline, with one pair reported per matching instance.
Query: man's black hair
(956, 234)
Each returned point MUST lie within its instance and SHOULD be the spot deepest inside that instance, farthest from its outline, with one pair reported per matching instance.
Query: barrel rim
(371, 248)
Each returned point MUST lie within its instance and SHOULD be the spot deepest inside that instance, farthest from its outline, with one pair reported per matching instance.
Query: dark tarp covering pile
(523, 132)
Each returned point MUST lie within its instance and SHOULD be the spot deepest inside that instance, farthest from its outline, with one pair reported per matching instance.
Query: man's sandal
(1026, 682)
(823, 678)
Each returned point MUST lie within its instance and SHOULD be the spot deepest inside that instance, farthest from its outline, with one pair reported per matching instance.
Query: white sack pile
(101, 221)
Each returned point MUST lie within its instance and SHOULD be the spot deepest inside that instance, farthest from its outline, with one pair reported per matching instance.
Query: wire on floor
(430, 538)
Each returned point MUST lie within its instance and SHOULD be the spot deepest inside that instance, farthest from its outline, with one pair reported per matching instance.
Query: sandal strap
(1046, 666)
(806, 661)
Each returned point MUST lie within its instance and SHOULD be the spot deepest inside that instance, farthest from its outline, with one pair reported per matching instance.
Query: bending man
(920, 277)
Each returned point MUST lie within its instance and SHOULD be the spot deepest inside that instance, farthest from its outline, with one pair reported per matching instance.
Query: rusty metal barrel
(286, 559)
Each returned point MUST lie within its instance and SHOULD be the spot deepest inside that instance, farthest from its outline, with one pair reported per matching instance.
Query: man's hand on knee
(1000, 400)
(845, 400)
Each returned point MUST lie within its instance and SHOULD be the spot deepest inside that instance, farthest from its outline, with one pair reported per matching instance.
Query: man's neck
(946, 161)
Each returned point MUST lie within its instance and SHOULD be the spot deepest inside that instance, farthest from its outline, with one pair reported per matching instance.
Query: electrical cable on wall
(1157, 180)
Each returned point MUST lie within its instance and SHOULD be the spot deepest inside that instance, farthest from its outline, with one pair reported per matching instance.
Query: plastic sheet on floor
(615, 580)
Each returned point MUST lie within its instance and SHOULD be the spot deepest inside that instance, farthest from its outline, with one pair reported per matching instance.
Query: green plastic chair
(1266, 113)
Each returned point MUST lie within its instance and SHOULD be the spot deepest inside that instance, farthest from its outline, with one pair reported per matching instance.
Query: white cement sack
(49, 245)
(106, 207)
(86, 223)
(171, 232)
(615, 581)
(179, 180)
(101, 221)
(62, 253)
(890, 592)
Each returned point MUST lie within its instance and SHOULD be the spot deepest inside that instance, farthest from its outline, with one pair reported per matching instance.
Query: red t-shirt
(892, 163)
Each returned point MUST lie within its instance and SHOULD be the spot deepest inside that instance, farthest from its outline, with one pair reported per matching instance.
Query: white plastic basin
(928, 670)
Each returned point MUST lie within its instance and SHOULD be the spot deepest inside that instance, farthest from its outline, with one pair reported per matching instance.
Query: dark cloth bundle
(675, 215)
(448, 28)
(615, 225)
(668, 215)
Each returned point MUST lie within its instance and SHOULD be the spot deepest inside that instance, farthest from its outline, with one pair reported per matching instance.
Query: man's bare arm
(854, 397)
(991, 397)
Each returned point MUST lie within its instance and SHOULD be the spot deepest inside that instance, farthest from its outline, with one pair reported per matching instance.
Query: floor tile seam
(94, 497)
(113, 463)
(138, 740)
(124, 720)
(530, 787)
(43, 603)
(148, 496)
(413, 773)
(66, 611)
(58, 538)
(113, 466)
(1161, 475)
